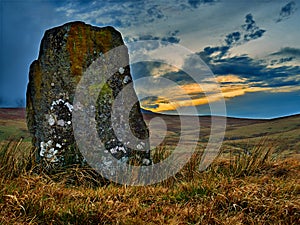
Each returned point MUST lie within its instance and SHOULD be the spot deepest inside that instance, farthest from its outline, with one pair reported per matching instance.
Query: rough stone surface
(65, 53)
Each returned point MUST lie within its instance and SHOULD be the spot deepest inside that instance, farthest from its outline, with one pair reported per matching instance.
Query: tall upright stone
(66, 52)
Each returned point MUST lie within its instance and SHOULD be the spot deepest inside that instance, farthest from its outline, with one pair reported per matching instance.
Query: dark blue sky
(252, 47)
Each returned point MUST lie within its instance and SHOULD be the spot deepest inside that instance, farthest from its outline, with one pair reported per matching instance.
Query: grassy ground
(12, 123)
(238, 188)
(243, 189)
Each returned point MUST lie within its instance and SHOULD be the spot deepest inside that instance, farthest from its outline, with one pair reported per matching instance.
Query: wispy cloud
(197, 3)
(171, 37)
(286, 56)
(122, 14)
(248, 31)
(286, 11)
(287, 51)
(161, 70)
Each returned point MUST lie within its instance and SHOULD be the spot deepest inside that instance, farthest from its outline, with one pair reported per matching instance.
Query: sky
(251, 47)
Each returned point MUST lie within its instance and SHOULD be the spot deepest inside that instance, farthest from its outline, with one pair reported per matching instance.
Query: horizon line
(147, 111)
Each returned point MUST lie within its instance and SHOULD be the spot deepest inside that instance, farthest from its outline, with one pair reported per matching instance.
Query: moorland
(254, 180)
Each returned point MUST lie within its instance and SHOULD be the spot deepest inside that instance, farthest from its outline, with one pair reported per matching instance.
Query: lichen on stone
(126, 79)
(65, 54)
(51, 120)
(121, 70)
(49, 152)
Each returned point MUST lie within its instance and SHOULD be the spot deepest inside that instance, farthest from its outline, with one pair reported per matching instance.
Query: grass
(241, 189)
(16, 157)
(13, 128)
(283, 133)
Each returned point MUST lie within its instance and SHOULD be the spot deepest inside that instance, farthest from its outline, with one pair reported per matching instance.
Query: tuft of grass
(16, 157)
(255, 189)
(160, 153)
(252, 161)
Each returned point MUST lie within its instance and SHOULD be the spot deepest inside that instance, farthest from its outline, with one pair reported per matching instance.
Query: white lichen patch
(56, 102)
(114, 150)
(70, 107)
(122, 149)
(52, 152)
(146, 162)
(126, 79)
(48, 152)
(107, 163)
(117, 149)
(121, 70)
(45, 145)
(58, 145)
(139, 147)
(59, 101)
(51, 120)
(61, 123)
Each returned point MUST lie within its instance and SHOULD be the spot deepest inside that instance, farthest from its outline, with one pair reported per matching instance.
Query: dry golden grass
(255, 189)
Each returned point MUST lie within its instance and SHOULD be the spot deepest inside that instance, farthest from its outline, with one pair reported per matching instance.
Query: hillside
(282, 133)
(13, 123)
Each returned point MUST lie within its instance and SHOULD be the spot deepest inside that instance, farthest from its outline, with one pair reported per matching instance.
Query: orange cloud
(230, 86)
(230, 79)
(285, 89)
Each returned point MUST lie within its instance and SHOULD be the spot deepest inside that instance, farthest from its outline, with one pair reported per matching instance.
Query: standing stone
(65, 54)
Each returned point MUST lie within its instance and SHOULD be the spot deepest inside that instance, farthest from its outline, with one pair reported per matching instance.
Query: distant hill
(13, 124)
(12, 113)
(282, 133)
